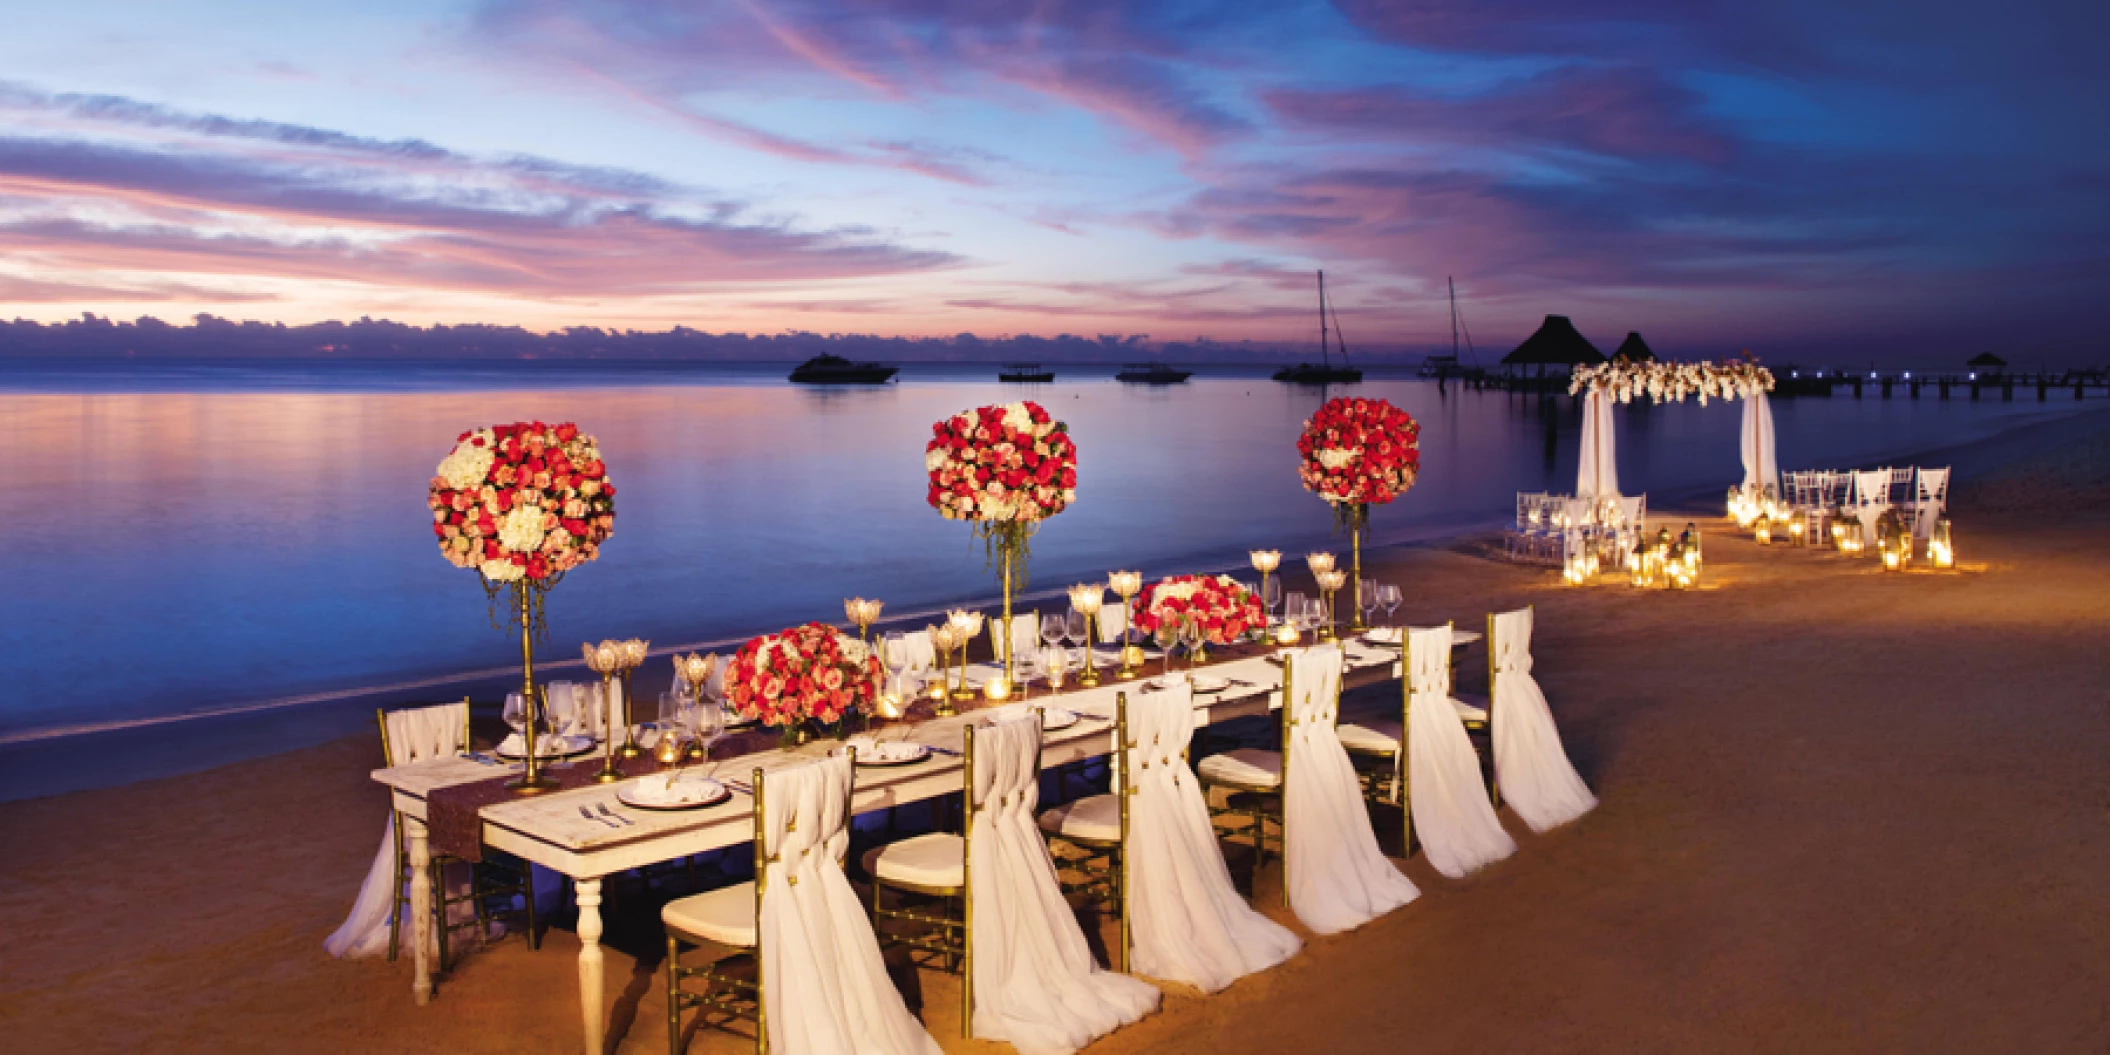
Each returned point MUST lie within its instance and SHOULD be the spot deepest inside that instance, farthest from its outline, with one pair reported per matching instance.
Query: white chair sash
(414, 735)
(1932, 498)
(1113, 619)
(826, 987)
(1025, 636)
(1338, 878)
(1191, 925)
(1035, 982)
(1531, 767)
(1452, 814)
(1872, 498)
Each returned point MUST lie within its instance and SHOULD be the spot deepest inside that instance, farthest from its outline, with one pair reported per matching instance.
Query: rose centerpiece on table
(1220, 606)
(521, 505)
(1004, 469)
(1359, 453)
(801, 677)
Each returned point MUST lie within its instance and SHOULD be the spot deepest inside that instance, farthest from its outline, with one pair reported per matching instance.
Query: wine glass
(515, 714)
(1270, 596)
(893, 657)
(1077, 630)
(1168, 636)
(707, 720)
(1294, 613)
(1055, 663)
(1366, 597)
(1053, 627)
(1388, 595)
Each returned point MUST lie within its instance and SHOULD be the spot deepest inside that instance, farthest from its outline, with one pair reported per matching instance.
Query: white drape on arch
(1338, 878)
(1452, 815)
(1191, 925)
(1531, 767)
(1597, 473)
(1035, 982)
(1761, 465)
(826, 988)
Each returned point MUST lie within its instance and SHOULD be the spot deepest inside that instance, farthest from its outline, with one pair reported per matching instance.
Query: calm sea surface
(199, 537)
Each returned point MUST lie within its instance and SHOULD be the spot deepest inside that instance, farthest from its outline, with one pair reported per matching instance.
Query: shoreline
(43, 763)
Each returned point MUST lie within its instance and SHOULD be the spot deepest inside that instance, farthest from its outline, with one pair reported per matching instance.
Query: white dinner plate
(887, 753)
(1383, 635)
(547, 747)
(1050, 718)
(652, 793)
(1203, 683)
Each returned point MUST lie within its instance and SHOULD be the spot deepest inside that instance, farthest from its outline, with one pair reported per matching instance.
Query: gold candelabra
(862, 614)
(1126, 584)
(1265, 561)
(1087, 598)
(606, 659)
(531, 781)
(693, 673)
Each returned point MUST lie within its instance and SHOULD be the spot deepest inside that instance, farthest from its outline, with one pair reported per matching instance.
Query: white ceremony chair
(1537, 779)
(1182, 918)
(1901, 483)
(818, 981)
(1380, 739)
(1871, 500)
(1930, 502)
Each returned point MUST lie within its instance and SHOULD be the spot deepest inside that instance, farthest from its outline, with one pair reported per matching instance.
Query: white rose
(1017, 417)
(1335, 457)
(852, 649)
(522, 530)
(502, 571)
(466, 466)
(935, 460)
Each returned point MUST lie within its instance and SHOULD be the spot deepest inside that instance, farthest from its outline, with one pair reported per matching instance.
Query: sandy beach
(1841, 811)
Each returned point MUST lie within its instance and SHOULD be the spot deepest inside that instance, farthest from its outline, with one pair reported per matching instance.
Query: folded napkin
(684, 791)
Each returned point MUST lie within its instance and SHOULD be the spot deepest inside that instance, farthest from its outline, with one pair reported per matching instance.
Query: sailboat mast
(1323, 357)
(1453, 283)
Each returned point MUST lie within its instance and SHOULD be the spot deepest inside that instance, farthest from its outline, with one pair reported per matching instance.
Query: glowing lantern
(1940, 550)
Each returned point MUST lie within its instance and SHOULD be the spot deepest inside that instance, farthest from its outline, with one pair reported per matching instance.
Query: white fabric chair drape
(1871, 500)
(413, 735)
(1452, 814)
(1932, 499)
(1035, 982)
(826, 988)
(1190, 924)
(1761, 464)
(1025, 636)
(1531, 767)
(1337, 877)
(1597, 473)
(916, 654)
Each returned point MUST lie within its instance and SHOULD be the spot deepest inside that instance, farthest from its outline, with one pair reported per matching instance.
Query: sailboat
(1323, 372)
(1442, 366)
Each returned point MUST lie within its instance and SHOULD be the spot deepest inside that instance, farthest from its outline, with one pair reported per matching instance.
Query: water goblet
(1388, 595)
(1366, 598)
(515, 714)
(1055, 662)
(1270, 596)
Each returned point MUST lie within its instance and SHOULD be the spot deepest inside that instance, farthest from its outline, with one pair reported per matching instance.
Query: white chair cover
(1532, 769)
(1025, 636)
(1597, 474)
(1191, 925)
(915, 654)
(1452, 815)
(1761, 465)
(1113, 619)
(414, 735)
(1932, 498)
(1337, 876)
(827, 989)
(1871, 498)
(1035, 983)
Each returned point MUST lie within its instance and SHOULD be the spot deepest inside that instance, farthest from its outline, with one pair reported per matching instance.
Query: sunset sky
(1895, 181)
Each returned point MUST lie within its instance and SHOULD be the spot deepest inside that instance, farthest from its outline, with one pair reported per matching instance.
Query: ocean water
(194, 538)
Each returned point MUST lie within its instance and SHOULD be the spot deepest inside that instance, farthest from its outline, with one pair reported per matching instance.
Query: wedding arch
(1625, 380)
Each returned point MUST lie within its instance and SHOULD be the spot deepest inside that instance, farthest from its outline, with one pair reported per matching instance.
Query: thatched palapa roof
(1555, 344)
(1987, 360)
(1634, 348)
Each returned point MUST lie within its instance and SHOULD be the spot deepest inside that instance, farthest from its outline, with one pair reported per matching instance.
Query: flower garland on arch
(803, 673)
(1626, 379)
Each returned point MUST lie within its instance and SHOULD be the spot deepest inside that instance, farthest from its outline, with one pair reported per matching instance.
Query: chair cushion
(1097, 818)
(725, 915)
(1246, 767)
(1375, 738)
(934, 860)
(1471, 708)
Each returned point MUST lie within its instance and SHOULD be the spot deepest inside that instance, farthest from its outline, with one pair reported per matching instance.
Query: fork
(606, 812)
(588, 814)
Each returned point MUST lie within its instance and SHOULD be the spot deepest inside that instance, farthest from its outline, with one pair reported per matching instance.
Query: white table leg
(420, 911)
(589, 897)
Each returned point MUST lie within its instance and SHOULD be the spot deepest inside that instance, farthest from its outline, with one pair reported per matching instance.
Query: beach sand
(1841, 811)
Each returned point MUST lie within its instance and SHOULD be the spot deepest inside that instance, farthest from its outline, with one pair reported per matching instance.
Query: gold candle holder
(965, 626)
(1087, 598)
(604, 660)
(862, 614)
(1330, 584)
(633, 652)
(1265, 561)
(1126, 584)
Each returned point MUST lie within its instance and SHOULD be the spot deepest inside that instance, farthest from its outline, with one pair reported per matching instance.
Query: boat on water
(1439, 366)
(836, 370)
(1025, 373)
(1152, 374)
(1323, 372)
(1442, 367)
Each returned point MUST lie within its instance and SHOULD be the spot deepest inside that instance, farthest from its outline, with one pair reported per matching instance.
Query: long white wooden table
(550, 831)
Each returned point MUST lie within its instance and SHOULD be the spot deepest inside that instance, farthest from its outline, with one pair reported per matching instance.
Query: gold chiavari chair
(728, 918)
(1095, 828)
(1386, 741)
(935, 866)
(1253, 781)
(488, 879)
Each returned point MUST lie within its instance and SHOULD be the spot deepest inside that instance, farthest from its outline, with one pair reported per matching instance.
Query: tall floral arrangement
(1359, 453)
(1222, 606)
(522, 501)
(804, 673)
(1627, 379)
(522, 504)
(1004, 469)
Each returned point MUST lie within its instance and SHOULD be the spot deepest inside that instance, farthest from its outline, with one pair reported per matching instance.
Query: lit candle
(1266, 560)
(1125, 584)
(634, 652)
(1087, 597)
(1320, 563)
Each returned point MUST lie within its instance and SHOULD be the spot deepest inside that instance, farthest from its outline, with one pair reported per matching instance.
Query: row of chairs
(1550, 528)
(1920, 496)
